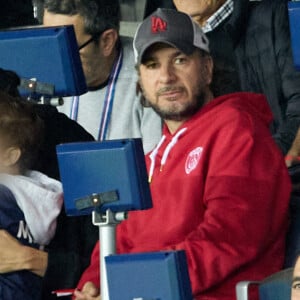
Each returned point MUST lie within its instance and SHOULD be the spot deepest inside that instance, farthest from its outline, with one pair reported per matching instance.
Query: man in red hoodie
(219, 184)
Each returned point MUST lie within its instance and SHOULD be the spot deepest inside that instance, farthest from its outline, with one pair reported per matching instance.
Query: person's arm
(92, 273)
(247, 193)
(16, 257)
(290, 78)
(37, 261)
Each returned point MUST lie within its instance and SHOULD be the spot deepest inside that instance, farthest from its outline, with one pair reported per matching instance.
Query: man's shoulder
(128, 75)
(127, 41)
(240, 110)
(127, 45)
(267, 4)
(263, 12)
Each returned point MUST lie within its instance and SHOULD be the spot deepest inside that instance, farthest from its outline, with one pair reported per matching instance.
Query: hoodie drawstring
(166, 153)
(153, 157)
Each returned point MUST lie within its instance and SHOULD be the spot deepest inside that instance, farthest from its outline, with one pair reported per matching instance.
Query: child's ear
(12, 156)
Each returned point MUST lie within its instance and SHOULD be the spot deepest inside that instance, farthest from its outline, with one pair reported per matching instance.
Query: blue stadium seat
(275, 287)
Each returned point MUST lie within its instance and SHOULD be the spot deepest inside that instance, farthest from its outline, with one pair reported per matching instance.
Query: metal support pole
(107, 224)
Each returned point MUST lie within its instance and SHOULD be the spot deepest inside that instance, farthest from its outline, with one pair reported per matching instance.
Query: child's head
(21, 132)
(9, 82)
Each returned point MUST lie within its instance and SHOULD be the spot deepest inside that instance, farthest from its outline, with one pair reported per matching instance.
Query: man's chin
(177, 109)
(173, 114)
(172, 105)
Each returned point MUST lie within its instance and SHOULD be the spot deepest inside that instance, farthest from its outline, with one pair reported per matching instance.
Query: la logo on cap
(158, 25)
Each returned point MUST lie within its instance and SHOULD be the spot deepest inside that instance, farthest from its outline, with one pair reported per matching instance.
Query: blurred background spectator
(16, 13)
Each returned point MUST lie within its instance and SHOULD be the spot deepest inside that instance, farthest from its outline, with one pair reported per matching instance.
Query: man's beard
(185, 112)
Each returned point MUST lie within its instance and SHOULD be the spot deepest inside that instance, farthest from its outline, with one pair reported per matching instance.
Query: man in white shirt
(111, 108)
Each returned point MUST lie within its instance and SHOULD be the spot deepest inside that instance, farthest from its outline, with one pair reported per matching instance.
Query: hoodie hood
(252, 103)
(40, 198)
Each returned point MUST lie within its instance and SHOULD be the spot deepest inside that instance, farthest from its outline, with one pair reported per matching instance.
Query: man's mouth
(170, 93)
(173, 94)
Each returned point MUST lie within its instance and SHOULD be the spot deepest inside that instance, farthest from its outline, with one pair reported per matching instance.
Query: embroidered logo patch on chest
(192, 160)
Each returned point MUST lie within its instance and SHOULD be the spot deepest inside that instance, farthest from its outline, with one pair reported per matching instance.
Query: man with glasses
(110, 110)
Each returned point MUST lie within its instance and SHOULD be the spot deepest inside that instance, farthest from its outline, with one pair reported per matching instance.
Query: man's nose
(167, 74)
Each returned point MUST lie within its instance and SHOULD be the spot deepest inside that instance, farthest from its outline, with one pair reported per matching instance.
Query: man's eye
(151, 65)
(180, 60)
(296, 286)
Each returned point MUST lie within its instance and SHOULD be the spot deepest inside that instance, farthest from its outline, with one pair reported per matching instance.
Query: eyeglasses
(89, 41)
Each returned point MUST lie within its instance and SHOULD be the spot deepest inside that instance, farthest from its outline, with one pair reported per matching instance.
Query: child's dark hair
(21, 127)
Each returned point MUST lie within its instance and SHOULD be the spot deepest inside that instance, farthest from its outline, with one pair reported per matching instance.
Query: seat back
(149, 276)
(277, 286)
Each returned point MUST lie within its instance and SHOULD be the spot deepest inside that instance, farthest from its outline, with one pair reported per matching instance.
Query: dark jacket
(70, 250)
(260, 36)
(16, 13)
(252, 52)
(58, 129)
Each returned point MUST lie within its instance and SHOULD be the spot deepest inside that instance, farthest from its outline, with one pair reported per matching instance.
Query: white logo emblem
(192, 160)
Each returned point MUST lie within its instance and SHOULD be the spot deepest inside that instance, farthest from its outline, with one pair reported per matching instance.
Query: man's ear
(12, 156)
(209, 67)
(139, 86)
(108, 41)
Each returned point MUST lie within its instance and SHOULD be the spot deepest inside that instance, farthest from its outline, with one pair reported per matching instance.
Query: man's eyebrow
(177, 53)
(295, 279)
(152, 57)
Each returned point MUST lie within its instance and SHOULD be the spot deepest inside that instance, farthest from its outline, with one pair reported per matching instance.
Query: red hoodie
(221, 192)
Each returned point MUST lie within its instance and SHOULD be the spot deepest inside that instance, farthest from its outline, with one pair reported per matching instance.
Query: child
(29, 201)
